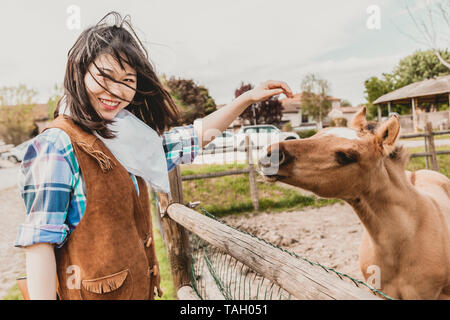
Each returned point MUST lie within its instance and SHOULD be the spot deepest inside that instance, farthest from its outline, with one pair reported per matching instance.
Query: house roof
(350, 109)
(292, 105)
(430, 89)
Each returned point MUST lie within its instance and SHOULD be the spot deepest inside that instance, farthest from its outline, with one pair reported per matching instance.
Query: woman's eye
(129, 80)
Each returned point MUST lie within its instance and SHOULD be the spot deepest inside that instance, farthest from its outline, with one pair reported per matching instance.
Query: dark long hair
(152, 103)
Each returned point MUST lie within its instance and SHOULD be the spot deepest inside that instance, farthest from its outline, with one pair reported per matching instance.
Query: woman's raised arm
(215, 123)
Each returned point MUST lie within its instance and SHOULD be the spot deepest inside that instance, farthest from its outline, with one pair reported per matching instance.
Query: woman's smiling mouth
(109, 104)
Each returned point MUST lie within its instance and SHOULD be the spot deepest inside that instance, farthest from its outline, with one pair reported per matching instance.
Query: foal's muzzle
(270, 161)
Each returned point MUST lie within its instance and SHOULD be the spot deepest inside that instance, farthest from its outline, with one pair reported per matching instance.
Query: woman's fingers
(274, 92)
(271, 84)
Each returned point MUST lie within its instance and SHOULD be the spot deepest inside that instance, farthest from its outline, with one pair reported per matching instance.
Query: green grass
(13, 294)
(163, 261)
(231, 194)
(437, 137)
(191, 169)
(420, 163)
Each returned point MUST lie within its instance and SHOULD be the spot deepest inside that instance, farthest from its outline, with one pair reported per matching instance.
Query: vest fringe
(105, 284)
(105, 162)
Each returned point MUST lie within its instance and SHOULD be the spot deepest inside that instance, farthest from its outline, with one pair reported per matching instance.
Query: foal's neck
(388, 207)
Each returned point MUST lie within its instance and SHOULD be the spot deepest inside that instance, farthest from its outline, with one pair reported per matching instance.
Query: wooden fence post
(251, 174)
(431, 147)
(176, 237)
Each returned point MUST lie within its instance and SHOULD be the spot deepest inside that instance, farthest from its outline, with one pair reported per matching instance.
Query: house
(432, 91)
(292, 111)
(347, 112)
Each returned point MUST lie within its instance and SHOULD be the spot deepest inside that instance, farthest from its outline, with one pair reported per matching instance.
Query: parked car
(17, 153)
(227, 139)
(263, 135)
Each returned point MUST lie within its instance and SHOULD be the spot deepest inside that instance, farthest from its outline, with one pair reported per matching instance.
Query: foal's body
(406, 215)
(407, 235)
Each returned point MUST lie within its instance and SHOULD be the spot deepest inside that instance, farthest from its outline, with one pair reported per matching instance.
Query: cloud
(217, 43)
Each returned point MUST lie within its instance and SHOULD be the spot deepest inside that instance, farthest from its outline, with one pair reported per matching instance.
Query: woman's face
(107, 105)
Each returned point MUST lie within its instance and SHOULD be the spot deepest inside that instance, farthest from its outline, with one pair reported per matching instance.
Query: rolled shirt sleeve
(45, 180)
(180, 145)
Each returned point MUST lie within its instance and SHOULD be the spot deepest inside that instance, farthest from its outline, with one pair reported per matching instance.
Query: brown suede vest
(111, 253)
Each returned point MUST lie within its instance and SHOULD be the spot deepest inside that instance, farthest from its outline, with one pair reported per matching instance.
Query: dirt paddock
(329, 235)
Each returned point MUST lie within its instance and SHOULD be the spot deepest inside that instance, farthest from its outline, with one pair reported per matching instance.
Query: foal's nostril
(273, 158)
(276, 157)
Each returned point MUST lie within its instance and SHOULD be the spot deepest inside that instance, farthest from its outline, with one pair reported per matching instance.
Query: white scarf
(138, 148)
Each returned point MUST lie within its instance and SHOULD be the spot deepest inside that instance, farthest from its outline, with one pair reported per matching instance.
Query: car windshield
(250, 130)
(267, 129)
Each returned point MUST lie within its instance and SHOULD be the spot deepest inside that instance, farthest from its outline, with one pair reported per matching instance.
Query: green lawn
(231, 194)
(437, 137)
(420, 163)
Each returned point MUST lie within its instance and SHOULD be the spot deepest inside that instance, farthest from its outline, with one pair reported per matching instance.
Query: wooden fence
(250, 169)
(430, 153)
(301, 279)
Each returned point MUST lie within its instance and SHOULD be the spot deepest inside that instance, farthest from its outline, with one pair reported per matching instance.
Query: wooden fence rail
(250, 170)
(298, 277)
(430, 153)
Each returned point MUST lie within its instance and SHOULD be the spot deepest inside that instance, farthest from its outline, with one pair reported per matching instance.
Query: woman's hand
(215, 123)
(268, 89)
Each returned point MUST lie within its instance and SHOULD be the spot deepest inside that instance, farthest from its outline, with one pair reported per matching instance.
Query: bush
(306, 133)
(287, 127)
(16, 124)
(338, 122)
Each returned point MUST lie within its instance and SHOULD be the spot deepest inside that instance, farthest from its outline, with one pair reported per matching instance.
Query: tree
(346, 103)
(269, 111)
(53, 100)
(17, 96)
(193, 100)
(418, 66)
(375, 88)
(16, 114)
(315, 95)
(433, 25)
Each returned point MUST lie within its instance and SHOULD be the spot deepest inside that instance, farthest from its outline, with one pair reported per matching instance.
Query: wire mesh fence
(217, 276)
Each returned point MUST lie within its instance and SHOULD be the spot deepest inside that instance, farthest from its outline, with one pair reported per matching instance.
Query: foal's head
(336, 162)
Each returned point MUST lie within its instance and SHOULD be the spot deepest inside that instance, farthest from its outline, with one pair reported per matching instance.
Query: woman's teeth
(110, 103)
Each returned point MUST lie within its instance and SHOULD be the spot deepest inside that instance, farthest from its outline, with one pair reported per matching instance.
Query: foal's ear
(387, 133)
(359, 120)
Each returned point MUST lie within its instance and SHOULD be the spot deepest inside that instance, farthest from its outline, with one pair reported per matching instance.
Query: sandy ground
(12, 260)
(329, 235)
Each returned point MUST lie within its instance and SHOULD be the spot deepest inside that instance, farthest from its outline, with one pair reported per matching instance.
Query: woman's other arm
(41, 271)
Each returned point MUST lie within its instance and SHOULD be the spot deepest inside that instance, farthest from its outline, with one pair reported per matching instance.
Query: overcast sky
(218, 43)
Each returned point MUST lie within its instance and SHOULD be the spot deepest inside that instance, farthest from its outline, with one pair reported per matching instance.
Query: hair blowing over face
(151, 103)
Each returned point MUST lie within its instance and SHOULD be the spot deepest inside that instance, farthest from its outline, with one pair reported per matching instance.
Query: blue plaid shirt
(53, 189)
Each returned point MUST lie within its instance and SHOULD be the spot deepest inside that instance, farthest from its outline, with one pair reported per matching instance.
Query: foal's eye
(347, 157)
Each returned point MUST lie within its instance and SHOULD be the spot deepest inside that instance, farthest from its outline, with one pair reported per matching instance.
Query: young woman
(88, 232)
